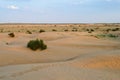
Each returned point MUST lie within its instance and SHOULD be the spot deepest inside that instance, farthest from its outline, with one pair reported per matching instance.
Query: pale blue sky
(60, 11)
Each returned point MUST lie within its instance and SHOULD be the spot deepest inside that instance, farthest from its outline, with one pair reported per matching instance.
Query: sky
(59, 11)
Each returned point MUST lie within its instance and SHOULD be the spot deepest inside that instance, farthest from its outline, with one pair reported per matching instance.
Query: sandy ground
(70, 56)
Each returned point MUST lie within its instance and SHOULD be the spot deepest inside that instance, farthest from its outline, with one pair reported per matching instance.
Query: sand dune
(70, 56)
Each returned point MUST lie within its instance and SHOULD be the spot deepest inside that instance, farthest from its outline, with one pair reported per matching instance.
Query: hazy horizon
(63, 11)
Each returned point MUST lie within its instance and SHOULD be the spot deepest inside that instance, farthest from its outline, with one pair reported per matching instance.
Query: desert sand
(69, 56)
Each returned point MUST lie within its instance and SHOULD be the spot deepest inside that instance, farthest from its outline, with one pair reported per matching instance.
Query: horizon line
(61, 23)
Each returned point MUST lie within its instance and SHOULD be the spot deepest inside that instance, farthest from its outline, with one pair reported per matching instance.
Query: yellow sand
(70, 56)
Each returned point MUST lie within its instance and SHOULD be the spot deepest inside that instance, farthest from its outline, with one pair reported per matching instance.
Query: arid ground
(75, 52)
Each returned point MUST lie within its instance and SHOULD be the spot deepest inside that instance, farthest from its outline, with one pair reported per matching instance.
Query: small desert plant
(41, 30)
(54, 30)
(106, 36)
(112, 35)
(29, 32)
(116, 29)
(74, 30)
(11, 34)
(66, 30)
(7, 43)
(108, 30)
(36, 44)
(90, 30)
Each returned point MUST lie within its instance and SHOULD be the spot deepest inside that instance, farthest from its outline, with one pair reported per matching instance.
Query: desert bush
(66, 30)
(29, 32)
(112, 35)
(108, 30)
(54, 30)
(115, 29)
(11, 34)
(74, 30)
(7, 43)
(1, 30)
(41, 30)
(87, 29)
(36, 44)
(106, 36)
(90, 30)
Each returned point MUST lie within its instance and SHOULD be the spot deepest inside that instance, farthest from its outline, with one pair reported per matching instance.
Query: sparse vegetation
(74, 30)
(11, 34)
(29, 32)
(90, 30)
(66, 30)
(36, 44)
(7, 43)
(54, 30)
(115, 29)
(108, 30)
(41, 30)
(106, 36)
(1, 30)
(112, 35)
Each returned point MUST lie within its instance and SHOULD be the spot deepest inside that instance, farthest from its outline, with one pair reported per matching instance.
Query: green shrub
(11, 34)
(36, 44)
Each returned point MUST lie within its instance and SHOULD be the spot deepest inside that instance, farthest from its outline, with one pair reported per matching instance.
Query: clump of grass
(36, 44)
(41, 30)
(11, 34)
